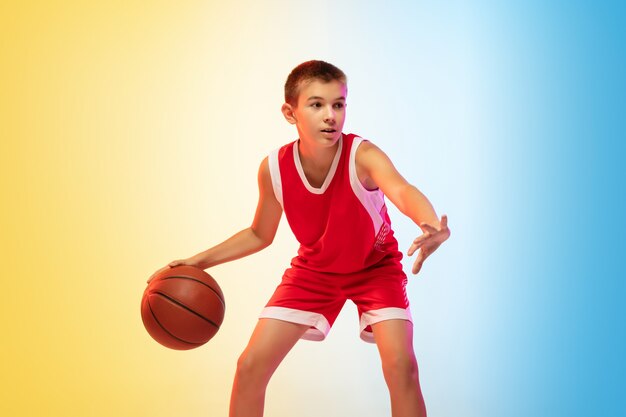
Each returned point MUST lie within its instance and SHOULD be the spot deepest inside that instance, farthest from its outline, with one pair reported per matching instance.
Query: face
(320, 113)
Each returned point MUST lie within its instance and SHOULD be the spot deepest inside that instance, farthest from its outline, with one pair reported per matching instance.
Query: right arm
(248, 241)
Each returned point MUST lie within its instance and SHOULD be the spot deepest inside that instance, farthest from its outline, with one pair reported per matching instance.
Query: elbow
(266, 242)
(263, 240)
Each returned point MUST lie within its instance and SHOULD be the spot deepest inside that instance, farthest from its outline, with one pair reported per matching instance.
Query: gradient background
(131, 133)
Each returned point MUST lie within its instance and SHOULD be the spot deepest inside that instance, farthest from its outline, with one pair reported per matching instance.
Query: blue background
(551, 224)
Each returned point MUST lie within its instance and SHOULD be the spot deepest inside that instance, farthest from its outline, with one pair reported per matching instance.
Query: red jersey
(342, 227)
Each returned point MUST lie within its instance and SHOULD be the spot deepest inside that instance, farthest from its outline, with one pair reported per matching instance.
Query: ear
(287, 110)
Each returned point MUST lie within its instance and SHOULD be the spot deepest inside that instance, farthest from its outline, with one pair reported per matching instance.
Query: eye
(316, 104)
(339, 105)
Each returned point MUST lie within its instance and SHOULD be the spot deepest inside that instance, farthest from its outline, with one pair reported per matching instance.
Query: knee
(401, 370)
(251, 369)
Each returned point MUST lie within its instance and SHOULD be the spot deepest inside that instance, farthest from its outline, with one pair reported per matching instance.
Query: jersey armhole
(372, 200)
(277, 184)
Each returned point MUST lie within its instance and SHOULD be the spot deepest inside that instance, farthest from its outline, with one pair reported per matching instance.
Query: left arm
(373, 165)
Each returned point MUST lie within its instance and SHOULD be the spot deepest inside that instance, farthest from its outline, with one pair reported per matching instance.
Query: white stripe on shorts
(319, 325)
(375, 316)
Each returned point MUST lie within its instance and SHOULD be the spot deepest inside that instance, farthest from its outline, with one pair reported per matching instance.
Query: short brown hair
(309, 71)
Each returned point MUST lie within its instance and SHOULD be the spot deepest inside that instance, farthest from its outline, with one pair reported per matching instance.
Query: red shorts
(316, 298)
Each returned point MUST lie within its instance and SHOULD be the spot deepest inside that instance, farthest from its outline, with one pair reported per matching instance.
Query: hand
(429, 242)
(188, 261)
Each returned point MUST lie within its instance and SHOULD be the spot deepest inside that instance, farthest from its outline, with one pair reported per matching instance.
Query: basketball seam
(167, 331)
(186, 308)
(199, 282)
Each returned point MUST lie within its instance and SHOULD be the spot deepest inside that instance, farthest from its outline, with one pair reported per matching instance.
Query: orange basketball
(182, 307)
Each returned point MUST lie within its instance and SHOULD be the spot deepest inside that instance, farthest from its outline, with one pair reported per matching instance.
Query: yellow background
(131, 136)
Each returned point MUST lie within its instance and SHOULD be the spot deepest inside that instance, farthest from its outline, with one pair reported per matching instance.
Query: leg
(394, 339)
(269, 344)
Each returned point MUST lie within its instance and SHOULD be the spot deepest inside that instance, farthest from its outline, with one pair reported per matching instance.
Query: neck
(317, 155)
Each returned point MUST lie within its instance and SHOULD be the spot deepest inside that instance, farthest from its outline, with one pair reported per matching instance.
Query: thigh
(394, 339)
(270, 342)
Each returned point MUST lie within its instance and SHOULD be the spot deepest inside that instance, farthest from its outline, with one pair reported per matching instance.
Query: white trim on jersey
(318, 323)
(329, 176)
(277, 183)
(372, 200)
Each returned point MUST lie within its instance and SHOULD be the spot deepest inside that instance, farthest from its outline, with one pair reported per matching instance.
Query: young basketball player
(331, 187)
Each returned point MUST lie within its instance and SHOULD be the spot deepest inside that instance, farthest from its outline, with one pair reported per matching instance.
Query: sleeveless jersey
(342, 227)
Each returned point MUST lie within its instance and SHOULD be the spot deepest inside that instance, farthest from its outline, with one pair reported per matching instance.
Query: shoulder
(359, 147)
(374, 165)
(264, 168)
(365, 147)
(369, 155)
(365, 160)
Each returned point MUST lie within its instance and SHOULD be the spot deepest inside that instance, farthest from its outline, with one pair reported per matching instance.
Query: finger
(444, 221)
(153, 276)
(422, 237)
(157, 273)
(428, 228)
(417, 243)
(417, 266)
(425, 252)
(417, 246)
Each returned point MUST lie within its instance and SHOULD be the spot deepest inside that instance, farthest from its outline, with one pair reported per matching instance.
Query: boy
(330, 186)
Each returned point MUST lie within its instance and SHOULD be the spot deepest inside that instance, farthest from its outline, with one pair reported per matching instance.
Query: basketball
(182, 307)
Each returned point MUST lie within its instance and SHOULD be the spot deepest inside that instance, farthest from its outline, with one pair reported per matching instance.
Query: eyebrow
(322, 98)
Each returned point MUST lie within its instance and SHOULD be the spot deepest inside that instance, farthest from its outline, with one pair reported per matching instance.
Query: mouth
(328, 130)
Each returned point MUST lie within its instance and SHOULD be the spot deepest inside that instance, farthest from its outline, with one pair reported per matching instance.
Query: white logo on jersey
(382, 236)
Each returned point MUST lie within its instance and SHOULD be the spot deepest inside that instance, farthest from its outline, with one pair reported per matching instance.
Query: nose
(329, 117)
